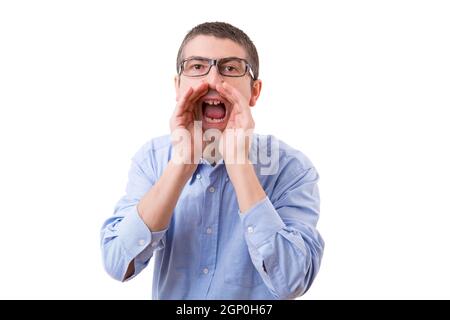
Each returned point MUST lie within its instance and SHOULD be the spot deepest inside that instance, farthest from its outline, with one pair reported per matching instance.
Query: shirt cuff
(136, 236)
(261, 222)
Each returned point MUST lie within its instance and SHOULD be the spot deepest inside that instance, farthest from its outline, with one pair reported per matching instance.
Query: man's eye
(229, 68)
(197, 66)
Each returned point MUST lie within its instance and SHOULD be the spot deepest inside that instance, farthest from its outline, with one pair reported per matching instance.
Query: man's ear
(256, 91)
(176, 82)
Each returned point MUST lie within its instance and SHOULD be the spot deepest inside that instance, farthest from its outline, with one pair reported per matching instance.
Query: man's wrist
(246, 184)
(237, 171)
(182, 170)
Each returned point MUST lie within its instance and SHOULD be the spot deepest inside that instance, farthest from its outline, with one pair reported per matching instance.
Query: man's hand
(186, 138)
(236, 139)
(235, 146)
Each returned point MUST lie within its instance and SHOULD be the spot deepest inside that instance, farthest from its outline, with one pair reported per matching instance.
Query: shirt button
(209, 231)
(141, 242)
(154, 244)
(205, 271)
(211, 189)
(198, 176)
(226, 179)
(250, 230)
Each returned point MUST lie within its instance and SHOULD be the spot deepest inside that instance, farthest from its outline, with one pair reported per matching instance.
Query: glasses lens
(232, 67)
(195, 67)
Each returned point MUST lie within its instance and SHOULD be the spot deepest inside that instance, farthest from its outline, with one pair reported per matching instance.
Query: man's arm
(246, 185)
(157, 205)
(281, 234)
(137, 228)
(283, 243)
(142, 215)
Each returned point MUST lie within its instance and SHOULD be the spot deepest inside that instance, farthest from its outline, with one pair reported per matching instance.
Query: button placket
(210, 223)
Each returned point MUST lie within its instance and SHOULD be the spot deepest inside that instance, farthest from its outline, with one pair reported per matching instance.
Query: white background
(361, 87)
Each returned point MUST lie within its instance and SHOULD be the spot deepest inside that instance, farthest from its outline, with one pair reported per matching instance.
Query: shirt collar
(204, 162)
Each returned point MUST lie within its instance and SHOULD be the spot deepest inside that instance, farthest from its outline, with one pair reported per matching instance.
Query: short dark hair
(223, 30)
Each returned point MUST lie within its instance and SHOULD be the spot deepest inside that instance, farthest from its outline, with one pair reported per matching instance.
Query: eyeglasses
(228, 67)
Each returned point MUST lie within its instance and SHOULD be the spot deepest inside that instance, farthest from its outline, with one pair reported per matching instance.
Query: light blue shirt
(211, 250)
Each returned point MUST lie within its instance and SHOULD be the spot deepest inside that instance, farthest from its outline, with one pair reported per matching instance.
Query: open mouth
(214, 110)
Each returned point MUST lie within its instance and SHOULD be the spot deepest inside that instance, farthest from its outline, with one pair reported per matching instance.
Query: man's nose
(214, 77)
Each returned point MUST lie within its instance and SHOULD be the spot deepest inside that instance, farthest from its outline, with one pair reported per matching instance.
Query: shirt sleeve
(124, 236)
(284, 245)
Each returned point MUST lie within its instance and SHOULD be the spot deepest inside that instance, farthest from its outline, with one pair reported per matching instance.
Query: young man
(221, 224)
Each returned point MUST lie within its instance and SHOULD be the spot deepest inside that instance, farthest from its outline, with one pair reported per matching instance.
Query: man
(219, 224)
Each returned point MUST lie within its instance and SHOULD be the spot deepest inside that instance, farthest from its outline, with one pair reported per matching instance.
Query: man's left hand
(236, 139)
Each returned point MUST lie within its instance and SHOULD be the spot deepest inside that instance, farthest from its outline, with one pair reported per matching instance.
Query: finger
(199, 91)
(240, 104)
(186, 104)
(233, 96)
(243, 103)
(227, 95)
(182, 103)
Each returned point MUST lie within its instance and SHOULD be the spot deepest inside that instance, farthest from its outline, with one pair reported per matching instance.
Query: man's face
(212, 108)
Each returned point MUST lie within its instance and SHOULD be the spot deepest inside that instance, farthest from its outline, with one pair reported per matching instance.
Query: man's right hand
(187, 146)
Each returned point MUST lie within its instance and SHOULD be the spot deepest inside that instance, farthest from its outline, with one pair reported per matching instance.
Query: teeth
(212, 102)
(211, 120)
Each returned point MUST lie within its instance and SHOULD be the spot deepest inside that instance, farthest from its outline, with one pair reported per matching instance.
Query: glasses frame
(216, 62)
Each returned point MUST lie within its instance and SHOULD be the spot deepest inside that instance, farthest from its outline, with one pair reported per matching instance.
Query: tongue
(215, 112)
